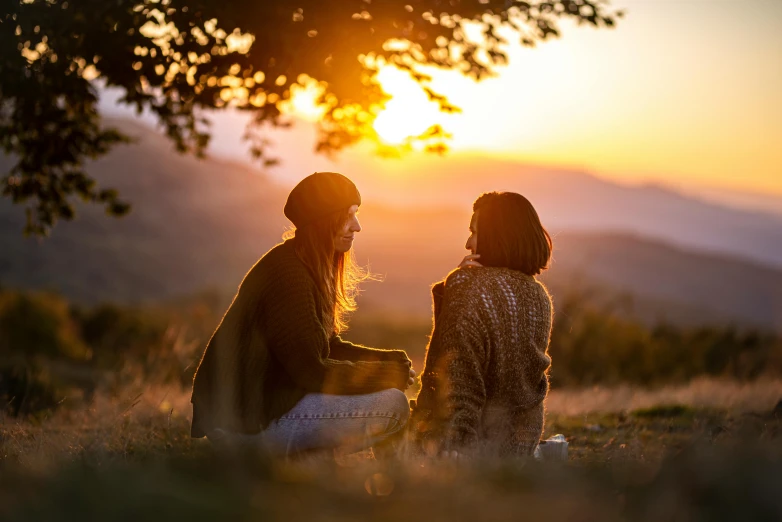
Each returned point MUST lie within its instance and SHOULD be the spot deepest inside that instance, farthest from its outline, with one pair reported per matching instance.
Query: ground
(131, 458)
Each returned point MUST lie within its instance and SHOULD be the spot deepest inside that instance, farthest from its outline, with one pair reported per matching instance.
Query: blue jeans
(348, 423)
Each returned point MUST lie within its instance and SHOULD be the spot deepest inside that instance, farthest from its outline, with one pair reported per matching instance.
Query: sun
(304, 100)
(408, 113)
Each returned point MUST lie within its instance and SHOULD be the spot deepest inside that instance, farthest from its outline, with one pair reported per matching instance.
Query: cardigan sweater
(271, 349)
(485, 376)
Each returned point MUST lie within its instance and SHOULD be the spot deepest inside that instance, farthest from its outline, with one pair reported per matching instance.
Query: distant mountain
(667, 282)
(769, 203)
(567, 198)
(203, 223)
(194, 224)
(575, 200)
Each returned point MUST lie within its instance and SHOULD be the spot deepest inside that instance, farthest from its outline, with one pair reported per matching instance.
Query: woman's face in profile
(472, 241)
(345, 236)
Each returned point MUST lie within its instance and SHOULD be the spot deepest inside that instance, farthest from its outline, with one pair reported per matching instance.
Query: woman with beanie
(485, 375)
(276, 371)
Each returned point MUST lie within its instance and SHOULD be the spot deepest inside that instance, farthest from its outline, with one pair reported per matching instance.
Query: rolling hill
(576, 200)
(202, 223)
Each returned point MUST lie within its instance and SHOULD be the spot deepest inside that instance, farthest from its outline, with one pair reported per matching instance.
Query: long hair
(336, 274)
(510, 233)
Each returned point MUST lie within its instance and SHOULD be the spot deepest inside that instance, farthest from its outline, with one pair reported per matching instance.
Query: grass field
(710, 450)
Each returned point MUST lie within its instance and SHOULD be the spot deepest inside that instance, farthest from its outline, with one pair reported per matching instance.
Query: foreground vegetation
(54, 353)
(132, 458)
(673, 424)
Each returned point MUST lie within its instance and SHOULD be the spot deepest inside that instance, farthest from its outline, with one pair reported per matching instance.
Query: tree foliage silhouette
(177, 57)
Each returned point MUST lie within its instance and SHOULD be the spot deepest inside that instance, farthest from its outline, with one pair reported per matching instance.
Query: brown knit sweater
(485, 376)
(271, 349)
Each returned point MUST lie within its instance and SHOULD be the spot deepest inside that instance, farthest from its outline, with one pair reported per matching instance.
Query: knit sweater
(485, 376)
(271, 349)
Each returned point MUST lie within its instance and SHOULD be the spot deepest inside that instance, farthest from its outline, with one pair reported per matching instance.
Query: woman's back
(485, 375)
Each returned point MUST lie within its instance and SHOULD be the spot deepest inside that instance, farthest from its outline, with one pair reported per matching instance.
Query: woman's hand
(399, 355)
(411, 378)
(470, 260)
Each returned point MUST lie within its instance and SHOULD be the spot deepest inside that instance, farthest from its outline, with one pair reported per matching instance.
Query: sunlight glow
(408, 113)
(620, 103)
(303, 102)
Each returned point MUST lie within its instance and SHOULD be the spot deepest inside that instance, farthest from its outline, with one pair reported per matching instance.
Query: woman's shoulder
(280, 263)
(279, 251)
(281, 254)
(469, 280)
(486, 278)
(484, 275)
(462, 276)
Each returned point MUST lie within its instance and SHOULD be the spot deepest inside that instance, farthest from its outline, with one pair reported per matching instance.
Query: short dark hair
(510, 234)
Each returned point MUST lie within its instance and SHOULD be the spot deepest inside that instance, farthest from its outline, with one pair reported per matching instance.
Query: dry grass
(139, 421)
(132, 456)
(757, 396)
(154, 421)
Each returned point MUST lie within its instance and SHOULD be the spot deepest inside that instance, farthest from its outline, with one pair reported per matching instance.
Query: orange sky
(688, 92)
(683, 92)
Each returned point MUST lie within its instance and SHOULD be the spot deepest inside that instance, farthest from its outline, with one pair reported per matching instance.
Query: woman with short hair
(276, 371)
(485, 376)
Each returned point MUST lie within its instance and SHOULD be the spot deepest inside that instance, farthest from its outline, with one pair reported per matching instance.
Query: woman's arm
(296, 338)
(460, 393)
(438, 292)
(346, 351)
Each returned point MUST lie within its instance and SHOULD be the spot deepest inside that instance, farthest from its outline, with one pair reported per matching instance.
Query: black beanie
(319, 195)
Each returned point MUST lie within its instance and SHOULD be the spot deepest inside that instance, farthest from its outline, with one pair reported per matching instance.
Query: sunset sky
(682, 89)
(683, 92)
